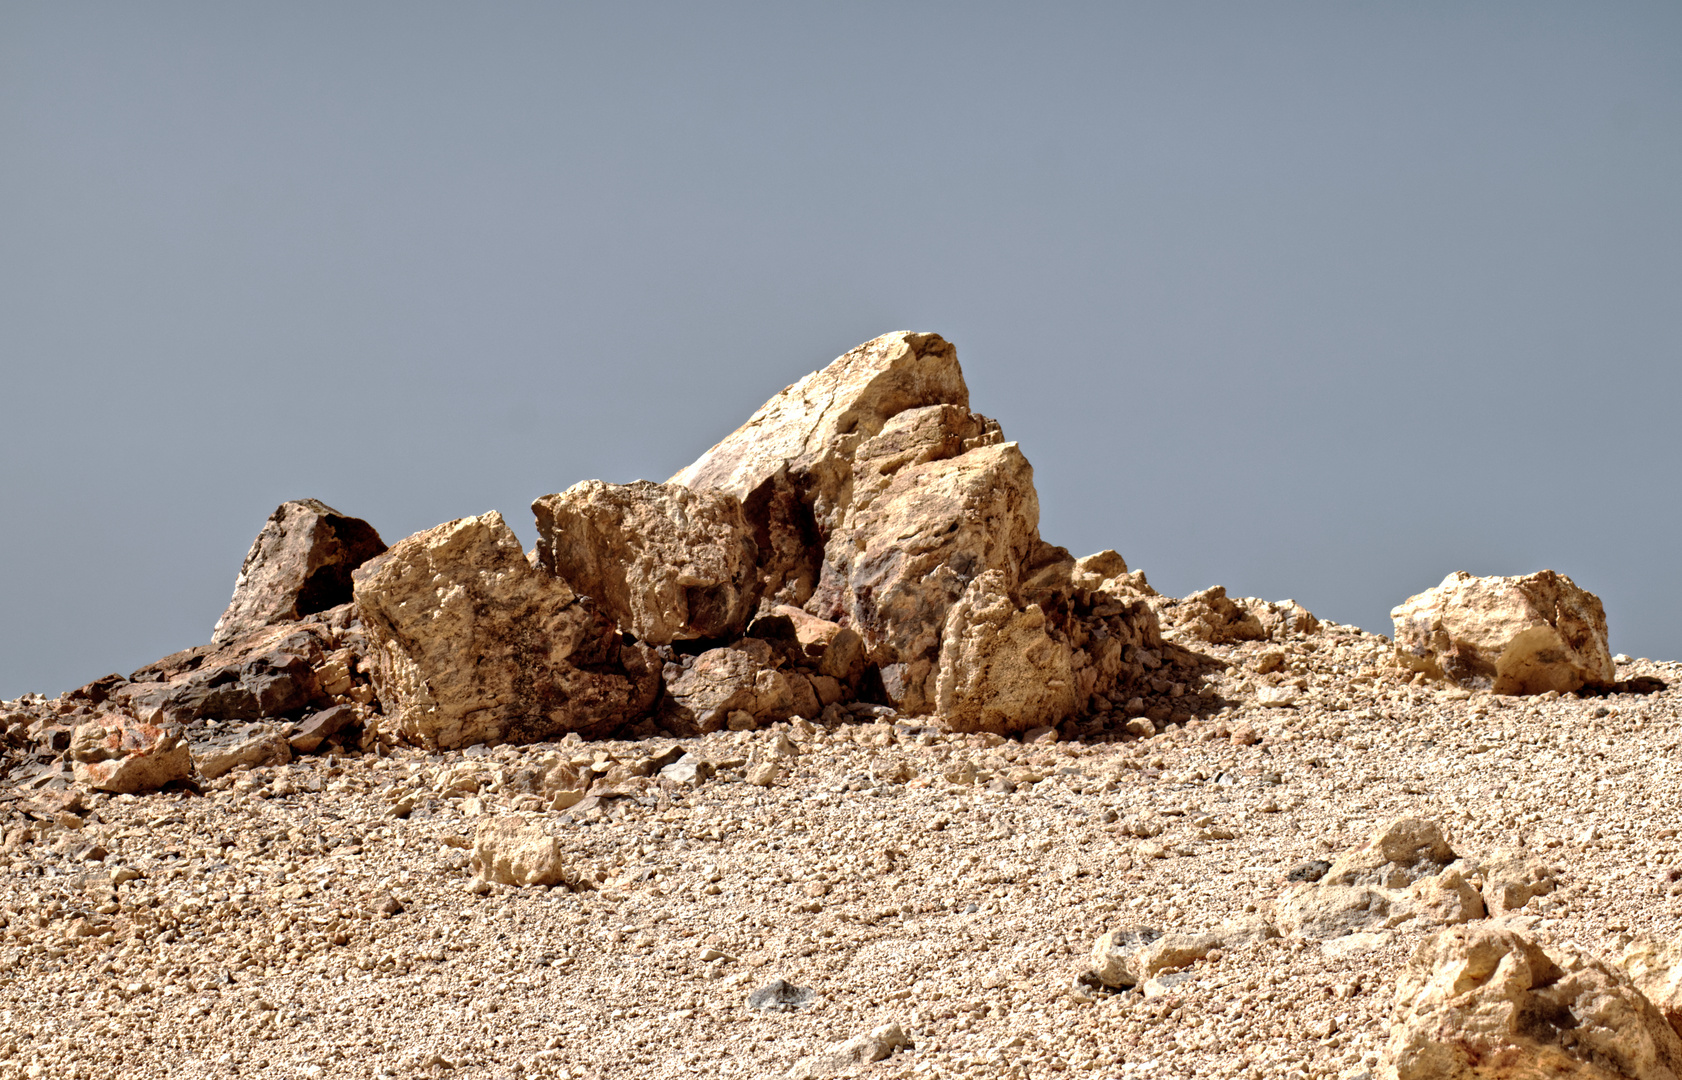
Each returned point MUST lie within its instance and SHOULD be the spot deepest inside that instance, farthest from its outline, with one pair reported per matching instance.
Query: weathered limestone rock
(299, 564)
(1511, 635)
(791, 463)
(1131, 955)
(318, 727)
(665, 562)
(475, 644)
(1482, 1002)
(905, 557)
(1000, 670)
(836, 650)
(1512, 877)
(508, 851)
(703, 690)
(1402, 872)
(847, 1056)
(117, 753)
(1211, 616)
(1656, 968)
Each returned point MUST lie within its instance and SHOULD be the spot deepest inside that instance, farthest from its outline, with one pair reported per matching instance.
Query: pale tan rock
(474, 644)
(300, 564)
(1509, 635)
(791, 463)
(1656, 967)
(1483, 1002)
(1326, 911)
(117, 753)
(508, 851)
(1130, 955)
(1367, 888)
(665, 562)
(901, 561)
(999, 669)
(267, 748)
(848, 1056)
(1397, 854)
(1448, 898)
(1512, 877)
(1210, 616)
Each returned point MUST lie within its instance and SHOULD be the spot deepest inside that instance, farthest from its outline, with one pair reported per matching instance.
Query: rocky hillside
(818, 760)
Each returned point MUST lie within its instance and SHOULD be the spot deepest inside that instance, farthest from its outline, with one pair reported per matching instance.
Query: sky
(1310, 300)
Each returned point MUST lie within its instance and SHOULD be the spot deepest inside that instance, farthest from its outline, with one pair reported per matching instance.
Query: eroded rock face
(1480, 1001)
(300, 564)
(1510, 635)
(118, 753)
(1000, 670)
(475, 644)
(791, 463)
(665, 562)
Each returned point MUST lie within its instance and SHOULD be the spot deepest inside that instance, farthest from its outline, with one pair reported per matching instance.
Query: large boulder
(663, 561)
(1000, 670)
(791, 463)
(119, 753)
(1511, 635)
(300, 564)
(475, 644)
(1487, 1002)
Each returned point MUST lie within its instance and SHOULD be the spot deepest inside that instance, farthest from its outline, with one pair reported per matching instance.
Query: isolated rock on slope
(1511, 635)
(117, 753)
(1000, 670)
(791, 463)
(300, 564)
(475, 644)
(1403, 872)
(1490, 1003)
(665, 562)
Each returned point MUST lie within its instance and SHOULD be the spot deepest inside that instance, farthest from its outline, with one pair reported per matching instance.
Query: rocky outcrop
(1509, 635)
(664, 562)
(791, 463)
(300, 564)
(1212, 617)
(1407, 874)
(118, 753)
(475, 644)
(1488, 1002)
(1000, 669)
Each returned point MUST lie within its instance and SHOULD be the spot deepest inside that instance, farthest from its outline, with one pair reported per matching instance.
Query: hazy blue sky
(1309, 300)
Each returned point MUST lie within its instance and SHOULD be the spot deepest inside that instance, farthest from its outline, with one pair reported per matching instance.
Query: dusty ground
(288, 925)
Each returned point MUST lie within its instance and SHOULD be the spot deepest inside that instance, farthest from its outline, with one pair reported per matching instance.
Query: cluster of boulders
(864, 538)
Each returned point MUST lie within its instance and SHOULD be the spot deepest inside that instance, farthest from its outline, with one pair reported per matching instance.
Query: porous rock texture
(665, 562)
(1000, 670)
(1511, 635)
(475, 644)
(1655, 965)
(300, 564)
(1486, 1002)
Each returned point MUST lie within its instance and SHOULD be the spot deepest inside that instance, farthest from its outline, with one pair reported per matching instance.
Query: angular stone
(217, 753)
(1398, 853)
(1118, 955)
(665, 562)
(703, 690)
(115, 752)
(508, 851)
(904, 558)
(848, 1056)
(1509, 635)
(1000, 670)
(1482, 1002)
(791, 463)
(1213, 617)
(1512, 877)
(268, 673)
(319, 727)
(837, 650)
(300, 564)
(475, 644)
